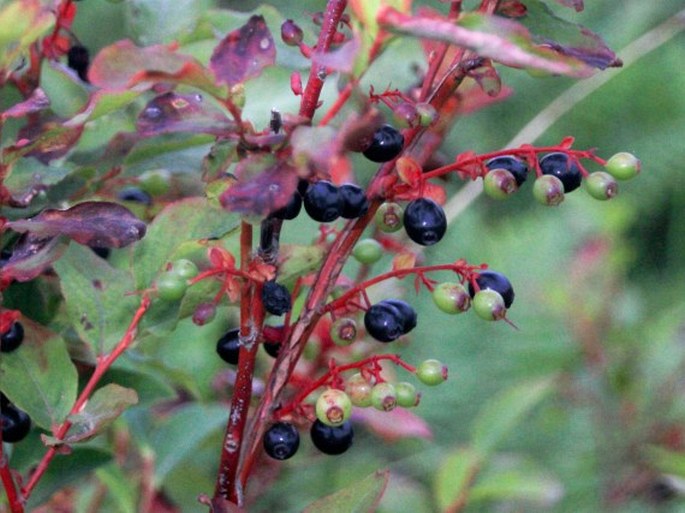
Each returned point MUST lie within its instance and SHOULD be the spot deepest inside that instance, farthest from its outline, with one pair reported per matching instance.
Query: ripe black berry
(101, 251)
(386, 145)
(559, 165)
(135, 194)
(514, 165)
(322, 201)
(12, 338)
(495, 281)
(228, 346)
(78, 59)
(425, 221)
(408, 313)
(281, 441)
(354, 202)
(276, 298)
(16, 424)
(291, 210)
(384, 322)
(332, 439)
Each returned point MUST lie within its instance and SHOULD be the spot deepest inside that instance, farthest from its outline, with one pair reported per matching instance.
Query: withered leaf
(91, 223)
(31, 256)
(244, 53)
(34, 103)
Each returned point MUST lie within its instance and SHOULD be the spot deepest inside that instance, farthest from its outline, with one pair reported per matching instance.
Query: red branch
(16, 505)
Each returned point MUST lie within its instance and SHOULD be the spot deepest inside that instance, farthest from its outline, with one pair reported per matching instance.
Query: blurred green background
(579, 409)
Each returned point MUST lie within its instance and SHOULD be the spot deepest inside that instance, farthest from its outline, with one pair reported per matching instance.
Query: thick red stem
(15, 503)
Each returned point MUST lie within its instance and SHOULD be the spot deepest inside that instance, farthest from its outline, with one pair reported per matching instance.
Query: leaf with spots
(39, 376)
(35, 103)
(244, 53)
(31, 256)
(92, 223)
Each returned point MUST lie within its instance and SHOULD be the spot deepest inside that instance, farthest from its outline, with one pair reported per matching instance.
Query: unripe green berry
(548, 190)
(623, 166)
(389, 217)
(155, 183)
(333, 407)
(171, 287)
(407, 396)
(184, 268)
(383, 396)
(367, 251)
(499, 184)
(343, 331)
(489, 305)
(451, 298)
(427, 113)
(601, 185)
(431, 372)
(359, 390)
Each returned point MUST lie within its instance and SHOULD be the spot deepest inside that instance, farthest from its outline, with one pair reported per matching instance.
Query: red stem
(16, 505)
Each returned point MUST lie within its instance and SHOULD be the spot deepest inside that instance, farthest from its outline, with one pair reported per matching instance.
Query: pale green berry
(343, 331)
(601, 185)
(333, 407)
(407, 396)
(431, 372)
(389, 217)
(451, 298)
(358, 389)
(499, 184)
(548, 190)
(489, 305)
(383, 396)
(367, 251)
(623, 166)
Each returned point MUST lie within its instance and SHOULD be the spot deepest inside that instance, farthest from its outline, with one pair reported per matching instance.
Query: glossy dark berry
(291, 210)
(135, 194)
(78, 59)
(497, 282)
(558, 164)
(425, 221)
(322, 201)
(354, 202)
(408, 313)
(16, 424)
(384, 322)
(272, 348)
(276, 298)
(228, 346)
(281, 441)
(273, 339)
(332, 440)
(12, 338)
(101, 251)
(514, 165)
(386, 145)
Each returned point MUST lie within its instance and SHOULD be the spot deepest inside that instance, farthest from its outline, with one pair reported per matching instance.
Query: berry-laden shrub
(148, 207)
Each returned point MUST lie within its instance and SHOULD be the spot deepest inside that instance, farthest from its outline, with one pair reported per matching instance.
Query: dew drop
(264, 43)
(152, 112)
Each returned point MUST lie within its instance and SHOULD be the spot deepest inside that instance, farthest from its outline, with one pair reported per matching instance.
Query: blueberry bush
(226, 226)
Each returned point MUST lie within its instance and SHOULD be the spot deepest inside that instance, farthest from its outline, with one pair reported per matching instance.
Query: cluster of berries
(16, 423)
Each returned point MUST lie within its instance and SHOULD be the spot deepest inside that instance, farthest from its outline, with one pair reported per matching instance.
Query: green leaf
(67, 94)
(105, 405)
(455, 475)
(158, 21)
(102, 103)
(98, 297)
(21, 24)
(39, 377)
(120, 487)
(360, 497)
(502, 413)
(296, 261)
(668, 462)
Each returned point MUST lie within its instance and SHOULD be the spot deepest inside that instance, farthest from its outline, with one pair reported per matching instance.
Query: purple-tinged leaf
(567, 38)
(92, 223)
(318, 151)
(364, 495)
(576, 4)
(487, 78)
(341, 59)
(172, 112)
(499, 39)
(244, 53)
(31, 256)
(34, 103)
(262, 187)
(44, 141)
(123, 66)
(511, 9)
(394, 425)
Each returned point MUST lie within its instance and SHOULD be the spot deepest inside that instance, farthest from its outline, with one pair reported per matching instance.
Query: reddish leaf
(262, 187)
(511, 9)
(34, 103)
(91, 223)
(576, 4)
(45, 141)
(172, 112)
(487, 78)
(403, 261)
(318, 151)
(472, 98)
(244, 53)
(31, 256)
(395, 424)
(124, 65)
(409, 171)
(342, 59)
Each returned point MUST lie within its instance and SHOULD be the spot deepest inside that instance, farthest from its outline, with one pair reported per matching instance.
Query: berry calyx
(517, 167)
(358, 390)
(228, 346)
(384, 322)
(623, 166)
(171, 286)
(333, 407)
(408, 314)
(12, 338)
(291, 210)
(184, 268)
(388, 217)
(431, 372)
(332, 440)
(451, 298)
(560, 165)
(386, 145)
(384, 396)
(281, 441)
(499, 184)
(425, 221)
(322, 201)
(601, 185)
(489, 305)
(343, 331)
(495, 281)
(353, 201)
(16, 424)
(275, 298)
(548, 190)
(367, 251)
(407, 396)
